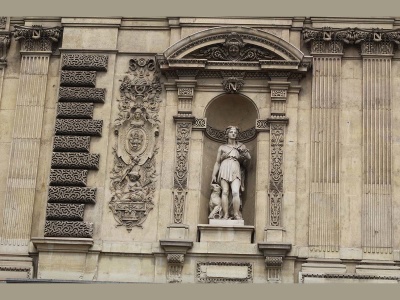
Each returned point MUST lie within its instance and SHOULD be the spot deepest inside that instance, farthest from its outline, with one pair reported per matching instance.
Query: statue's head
(231, 132)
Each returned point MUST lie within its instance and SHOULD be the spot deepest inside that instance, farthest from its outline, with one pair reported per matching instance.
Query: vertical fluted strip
(324, 194)
(25, 147)
(377, 199)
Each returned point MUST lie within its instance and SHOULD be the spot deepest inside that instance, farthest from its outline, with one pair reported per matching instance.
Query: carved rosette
(133, 176)
(277, 131)
(36, 37)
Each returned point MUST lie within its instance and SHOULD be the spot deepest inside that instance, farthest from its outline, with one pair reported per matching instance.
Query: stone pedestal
(226, 233)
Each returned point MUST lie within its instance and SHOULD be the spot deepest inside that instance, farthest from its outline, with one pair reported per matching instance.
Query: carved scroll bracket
(175, 251)
(274, 254)
(37, 38)
(185, 95)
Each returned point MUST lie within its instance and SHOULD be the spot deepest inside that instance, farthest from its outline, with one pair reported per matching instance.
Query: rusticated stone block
(84, 62)
(67, 160)
(68, 177)
(68, 229)
(64, 211)
(78, 78)
(74, 110)
(66, 143)
(79, 127)
(85, 94)
(73, 194)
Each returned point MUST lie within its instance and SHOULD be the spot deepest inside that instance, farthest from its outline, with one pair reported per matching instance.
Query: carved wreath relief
(136, 127)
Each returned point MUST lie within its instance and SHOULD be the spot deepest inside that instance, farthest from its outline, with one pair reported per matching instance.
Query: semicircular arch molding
(216, 35)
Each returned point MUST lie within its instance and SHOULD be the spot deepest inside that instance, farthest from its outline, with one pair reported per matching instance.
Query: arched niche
(222, 111)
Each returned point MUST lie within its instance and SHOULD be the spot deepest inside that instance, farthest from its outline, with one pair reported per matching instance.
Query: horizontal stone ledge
(68, 177)
(65, 211)
(66, 143)
(84, 94)
(78, 127)
(75, 110)
(62, 244)
(78, 78)
(67, 160)
(87, 62)
(62, 194)
(68, 229)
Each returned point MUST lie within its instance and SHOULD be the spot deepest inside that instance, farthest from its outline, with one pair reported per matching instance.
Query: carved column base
(175, 251)
(274, 254)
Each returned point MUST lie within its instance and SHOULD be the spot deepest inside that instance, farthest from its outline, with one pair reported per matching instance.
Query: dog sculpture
(215, 202)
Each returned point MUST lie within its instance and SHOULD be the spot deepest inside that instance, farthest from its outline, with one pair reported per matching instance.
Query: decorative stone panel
(68, 229)
(224, 272)
(66, 143)
(68, 177)
(62, 211)
(78, 78)
(69, 160)
(71, 194)
(84, 62)
(79, 127)
(85, 94)
(73, 110)
(199, 124)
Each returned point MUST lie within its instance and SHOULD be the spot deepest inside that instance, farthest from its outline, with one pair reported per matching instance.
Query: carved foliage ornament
(37, 38)
(219, 135)
(3, 22)
(276, 174)
(233, 49)
(334, 38)
(4, 45)
(136, 127)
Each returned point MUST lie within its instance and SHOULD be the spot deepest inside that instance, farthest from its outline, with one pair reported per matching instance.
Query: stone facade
(109, 133)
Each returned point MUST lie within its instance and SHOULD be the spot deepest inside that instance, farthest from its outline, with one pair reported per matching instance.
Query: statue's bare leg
(224, 198)
(235, 185)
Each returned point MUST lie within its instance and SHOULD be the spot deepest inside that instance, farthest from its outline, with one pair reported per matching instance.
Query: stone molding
(37, 38)
(62, 244)
(348, 276)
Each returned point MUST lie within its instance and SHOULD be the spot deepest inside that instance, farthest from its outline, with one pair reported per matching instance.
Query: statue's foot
(226, 217)
(237, 217)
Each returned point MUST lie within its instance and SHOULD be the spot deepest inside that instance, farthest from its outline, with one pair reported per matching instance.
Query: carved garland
(276, 174)
(219, 135)
(136, 127)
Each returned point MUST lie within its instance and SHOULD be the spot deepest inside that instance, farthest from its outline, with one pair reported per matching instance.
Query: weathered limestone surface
(321, 202)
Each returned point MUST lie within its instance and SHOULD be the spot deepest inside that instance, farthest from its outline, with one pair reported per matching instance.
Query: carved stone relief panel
(277, 131)
(133, 176)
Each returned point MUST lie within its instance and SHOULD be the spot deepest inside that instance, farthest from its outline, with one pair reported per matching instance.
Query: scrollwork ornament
(4, 45)
(133, 176)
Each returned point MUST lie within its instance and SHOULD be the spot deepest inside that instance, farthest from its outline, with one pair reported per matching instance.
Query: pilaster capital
(330, 41)
(37, 38)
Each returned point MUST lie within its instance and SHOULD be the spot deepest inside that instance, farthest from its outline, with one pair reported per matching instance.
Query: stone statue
(228, 172)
